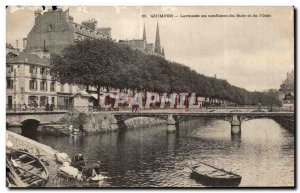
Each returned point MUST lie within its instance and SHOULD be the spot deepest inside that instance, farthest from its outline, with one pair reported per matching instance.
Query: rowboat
(212, 176)
(25, 170)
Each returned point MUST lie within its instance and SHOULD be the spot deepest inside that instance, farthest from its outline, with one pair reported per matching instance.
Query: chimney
(24, 43)
(17, 44)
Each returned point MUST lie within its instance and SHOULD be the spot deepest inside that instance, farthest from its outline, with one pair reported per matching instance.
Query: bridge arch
(29, 127)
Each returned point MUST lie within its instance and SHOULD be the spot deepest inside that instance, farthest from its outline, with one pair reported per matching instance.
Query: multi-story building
(27, 73)
(28, 82)
(55, 29)
(287, 92)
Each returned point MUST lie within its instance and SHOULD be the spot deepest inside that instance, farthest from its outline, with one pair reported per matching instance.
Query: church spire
(157, 48)
(163, 51)
(144, 34)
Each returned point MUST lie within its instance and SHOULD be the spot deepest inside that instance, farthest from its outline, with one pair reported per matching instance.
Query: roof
(83, 93)
(32, 58)
(92, 34)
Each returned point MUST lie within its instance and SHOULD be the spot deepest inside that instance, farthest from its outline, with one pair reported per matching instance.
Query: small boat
(25, 170)
(212, 176)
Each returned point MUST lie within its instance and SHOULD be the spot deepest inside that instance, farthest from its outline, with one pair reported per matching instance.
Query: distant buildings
(287, 92)
(11, 51)
(142, 44)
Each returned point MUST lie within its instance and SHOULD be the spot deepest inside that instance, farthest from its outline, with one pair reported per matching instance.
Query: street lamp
(15, 90)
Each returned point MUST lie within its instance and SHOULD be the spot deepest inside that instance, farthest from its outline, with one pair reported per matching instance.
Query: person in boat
(78, 162)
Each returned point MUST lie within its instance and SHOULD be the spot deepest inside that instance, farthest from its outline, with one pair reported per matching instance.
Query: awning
(95, 96)
(82, 93)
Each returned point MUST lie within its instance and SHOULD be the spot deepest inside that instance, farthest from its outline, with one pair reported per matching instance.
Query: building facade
(287, 92)
(29, 84)
(55, 29)
(28, 81)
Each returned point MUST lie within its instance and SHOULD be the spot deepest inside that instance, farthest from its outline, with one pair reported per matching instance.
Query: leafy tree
(104, 63)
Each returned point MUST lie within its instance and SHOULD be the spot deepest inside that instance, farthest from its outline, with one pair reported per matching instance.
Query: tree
(104, 63)
(89, 62)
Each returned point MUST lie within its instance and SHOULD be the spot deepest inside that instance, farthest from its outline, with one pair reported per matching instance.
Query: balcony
(33, 75)
(44, 76)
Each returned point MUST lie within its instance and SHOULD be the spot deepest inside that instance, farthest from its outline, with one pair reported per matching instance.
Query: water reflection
(152, 158)
(236, 139)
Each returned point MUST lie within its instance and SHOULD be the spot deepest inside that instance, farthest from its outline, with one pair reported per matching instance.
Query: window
(32, 100)
(33, 69)
(32, 84)
(9, 69)
(62, 88)
(43, 85)
(53, 100)
(43, 101)
(43, 71)
(9, 83)
(50, 27)
(52, 87)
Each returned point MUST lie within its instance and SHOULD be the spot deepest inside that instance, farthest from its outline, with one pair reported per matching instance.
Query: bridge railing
(31, 108)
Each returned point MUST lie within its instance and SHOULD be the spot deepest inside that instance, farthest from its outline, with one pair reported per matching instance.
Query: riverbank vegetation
(104, 63)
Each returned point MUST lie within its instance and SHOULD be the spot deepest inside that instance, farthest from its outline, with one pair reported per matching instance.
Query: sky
(250, 52)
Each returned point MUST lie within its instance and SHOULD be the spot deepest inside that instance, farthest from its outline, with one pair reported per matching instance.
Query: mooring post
(236, 124)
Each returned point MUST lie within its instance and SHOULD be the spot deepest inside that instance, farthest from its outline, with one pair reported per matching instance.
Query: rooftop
(29, 57)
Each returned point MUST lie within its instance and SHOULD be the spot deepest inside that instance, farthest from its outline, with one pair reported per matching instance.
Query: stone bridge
(43, 117)
(173, 118)
(31, 120)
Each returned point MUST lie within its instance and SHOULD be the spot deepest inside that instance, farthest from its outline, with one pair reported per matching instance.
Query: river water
(149, 157)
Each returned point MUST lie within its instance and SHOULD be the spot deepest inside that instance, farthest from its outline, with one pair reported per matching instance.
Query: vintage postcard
(150, 97)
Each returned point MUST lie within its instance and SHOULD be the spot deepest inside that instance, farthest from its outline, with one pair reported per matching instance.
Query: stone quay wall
(104, 122)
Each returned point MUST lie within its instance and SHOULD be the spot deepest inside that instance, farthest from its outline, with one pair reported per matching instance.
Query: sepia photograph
(150, 97)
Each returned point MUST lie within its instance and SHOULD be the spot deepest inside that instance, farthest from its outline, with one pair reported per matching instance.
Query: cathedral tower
(157, 48)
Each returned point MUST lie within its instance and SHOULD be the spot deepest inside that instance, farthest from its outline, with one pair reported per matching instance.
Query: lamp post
(15, 90)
